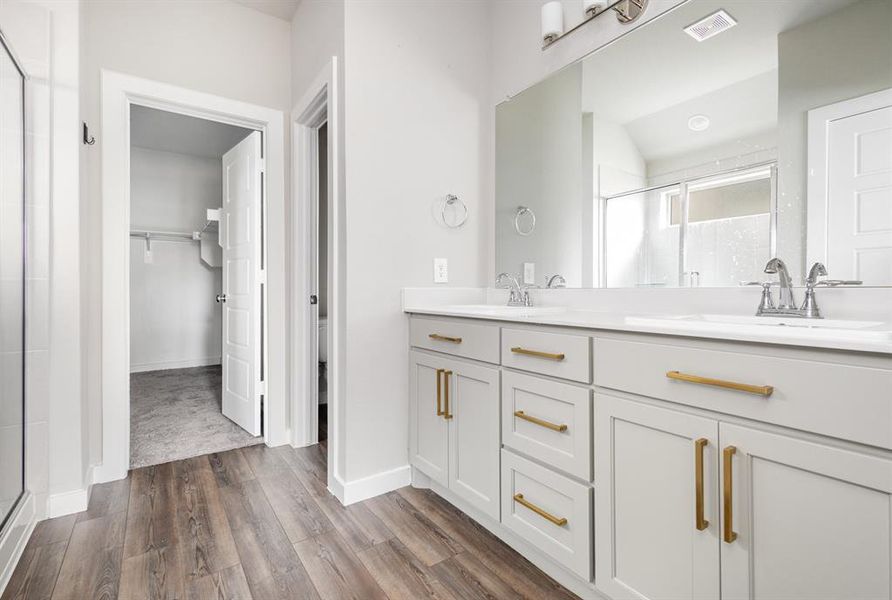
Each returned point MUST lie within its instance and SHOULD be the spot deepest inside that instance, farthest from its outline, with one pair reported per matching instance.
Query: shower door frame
(10, 517)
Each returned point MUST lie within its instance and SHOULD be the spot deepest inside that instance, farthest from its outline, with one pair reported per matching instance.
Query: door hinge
(314, 299)
(263, 165)
(261, 277)
(262, 388)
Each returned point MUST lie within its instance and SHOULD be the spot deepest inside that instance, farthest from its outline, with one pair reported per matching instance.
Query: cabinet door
(474, 435)
(649, 476)
(428, 430)
(811, 521)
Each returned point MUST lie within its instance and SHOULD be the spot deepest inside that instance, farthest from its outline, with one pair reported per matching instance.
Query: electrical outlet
(441, 270)
(529, 273)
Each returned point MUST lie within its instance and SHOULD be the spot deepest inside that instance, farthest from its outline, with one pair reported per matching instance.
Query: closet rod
(166, 235)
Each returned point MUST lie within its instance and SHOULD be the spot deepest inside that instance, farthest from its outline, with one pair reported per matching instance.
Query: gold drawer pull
(559, 521)
(538, 354)
(446, 375)
(759, 390)
(440, 392)
(728, 530)
(699, 446)
(522, 415)
(444, 338)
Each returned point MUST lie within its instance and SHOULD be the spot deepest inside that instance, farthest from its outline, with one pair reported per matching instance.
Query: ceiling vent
(710, 26)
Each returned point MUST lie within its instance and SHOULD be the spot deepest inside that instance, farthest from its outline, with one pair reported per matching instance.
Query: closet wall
(174, 320)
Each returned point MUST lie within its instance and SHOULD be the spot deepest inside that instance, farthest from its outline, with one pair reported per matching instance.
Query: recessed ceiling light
(698, 123)
(711, 25)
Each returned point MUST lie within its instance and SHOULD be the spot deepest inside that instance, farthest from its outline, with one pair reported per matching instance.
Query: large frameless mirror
(12, 283)
(694, 149)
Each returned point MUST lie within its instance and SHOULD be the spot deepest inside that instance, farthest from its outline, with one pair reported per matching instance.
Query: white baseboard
(336, 487)
(176, 364)
(67, 503)
(375, 485)
(15, 538)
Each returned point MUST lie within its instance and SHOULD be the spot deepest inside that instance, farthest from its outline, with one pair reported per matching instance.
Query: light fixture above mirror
(552, 16)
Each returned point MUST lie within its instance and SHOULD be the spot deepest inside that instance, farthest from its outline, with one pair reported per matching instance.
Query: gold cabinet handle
(522, 415)
(446, 413)
(699, 446)
(559, 521)
(759, 390)
(538, 354)
(728, 529)
(440, 392)
(444, 338)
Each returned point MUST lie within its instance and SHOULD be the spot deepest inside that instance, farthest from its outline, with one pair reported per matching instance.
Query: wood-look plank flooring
(258, 522)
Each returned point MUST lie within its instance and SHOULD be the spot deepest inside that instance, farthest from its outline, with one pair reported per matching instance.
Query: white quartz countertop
(858, 336)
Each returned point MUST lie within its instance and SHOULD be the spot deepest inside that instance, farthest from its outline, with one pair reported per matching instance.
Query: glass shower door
(12, 284)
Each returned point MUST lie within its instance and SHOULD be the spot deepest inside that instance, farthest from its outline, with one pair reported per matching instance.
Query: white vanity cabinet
(697, 504)
(689, 505)
(810, 521)
(639, 466)
(656, 502)
(454, 427)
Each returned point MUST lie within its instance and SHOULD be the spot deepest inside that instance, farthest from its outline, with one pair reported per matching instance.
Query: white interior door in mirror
(240, 228)
(850, 191)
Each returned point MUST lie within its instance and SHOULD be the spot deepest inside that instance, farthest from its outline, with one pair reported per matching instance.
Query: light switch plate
(529, 273)
(441, 270)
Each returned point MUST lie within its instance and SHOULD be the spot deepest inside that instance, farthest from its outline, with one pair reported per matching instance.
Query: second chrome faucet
(786, 305)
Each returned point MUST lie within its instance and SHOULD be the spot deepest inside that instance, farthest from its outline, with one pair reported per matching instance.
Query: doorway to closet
(195, 303)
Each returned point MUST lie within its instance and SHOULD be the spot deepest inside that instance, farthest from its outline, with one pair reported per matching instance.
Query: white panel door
(859, 192)
(472, 410)
(649, 542)
(240, 228)
(812, 522)
(428, 427)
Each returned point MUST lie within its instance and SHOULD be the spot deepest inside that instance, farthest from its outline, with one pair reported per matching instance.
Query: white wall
(418, 126)
(212, 46)
(174, 319)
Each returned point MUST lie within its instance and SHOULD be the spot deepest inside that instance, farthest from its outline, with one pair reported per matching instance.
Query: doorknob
(221, 298)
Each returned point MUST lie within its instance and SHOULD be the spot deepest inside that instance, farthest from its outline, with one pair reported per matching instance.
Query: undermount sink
(867, 330)
(495, 310)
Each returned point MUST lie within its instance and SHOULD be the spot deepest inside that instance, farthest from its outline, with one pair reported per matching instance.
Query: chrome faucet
(785, 299)
(555, 281)
(786, 305)
(810, 304)
(519, 296)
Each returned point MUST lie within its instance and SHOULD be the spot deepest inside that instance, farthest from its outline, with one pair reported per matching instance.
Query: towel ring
(521, 211)
(453, 200)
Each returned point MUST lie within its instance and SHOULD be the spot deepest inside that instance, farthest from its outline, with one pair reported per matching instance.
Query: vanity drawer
(830, 398)
(548, 510)
(556, 354)
(550, 421)
(461, 338)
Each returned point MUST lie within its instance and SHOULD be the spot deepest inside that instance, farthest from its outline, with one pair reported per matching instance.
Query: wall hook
(88, 139)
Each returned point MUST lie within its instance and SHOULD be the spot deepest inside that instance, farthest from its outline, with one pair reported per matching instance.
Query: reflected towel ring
(453, 200)
(521, 211)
